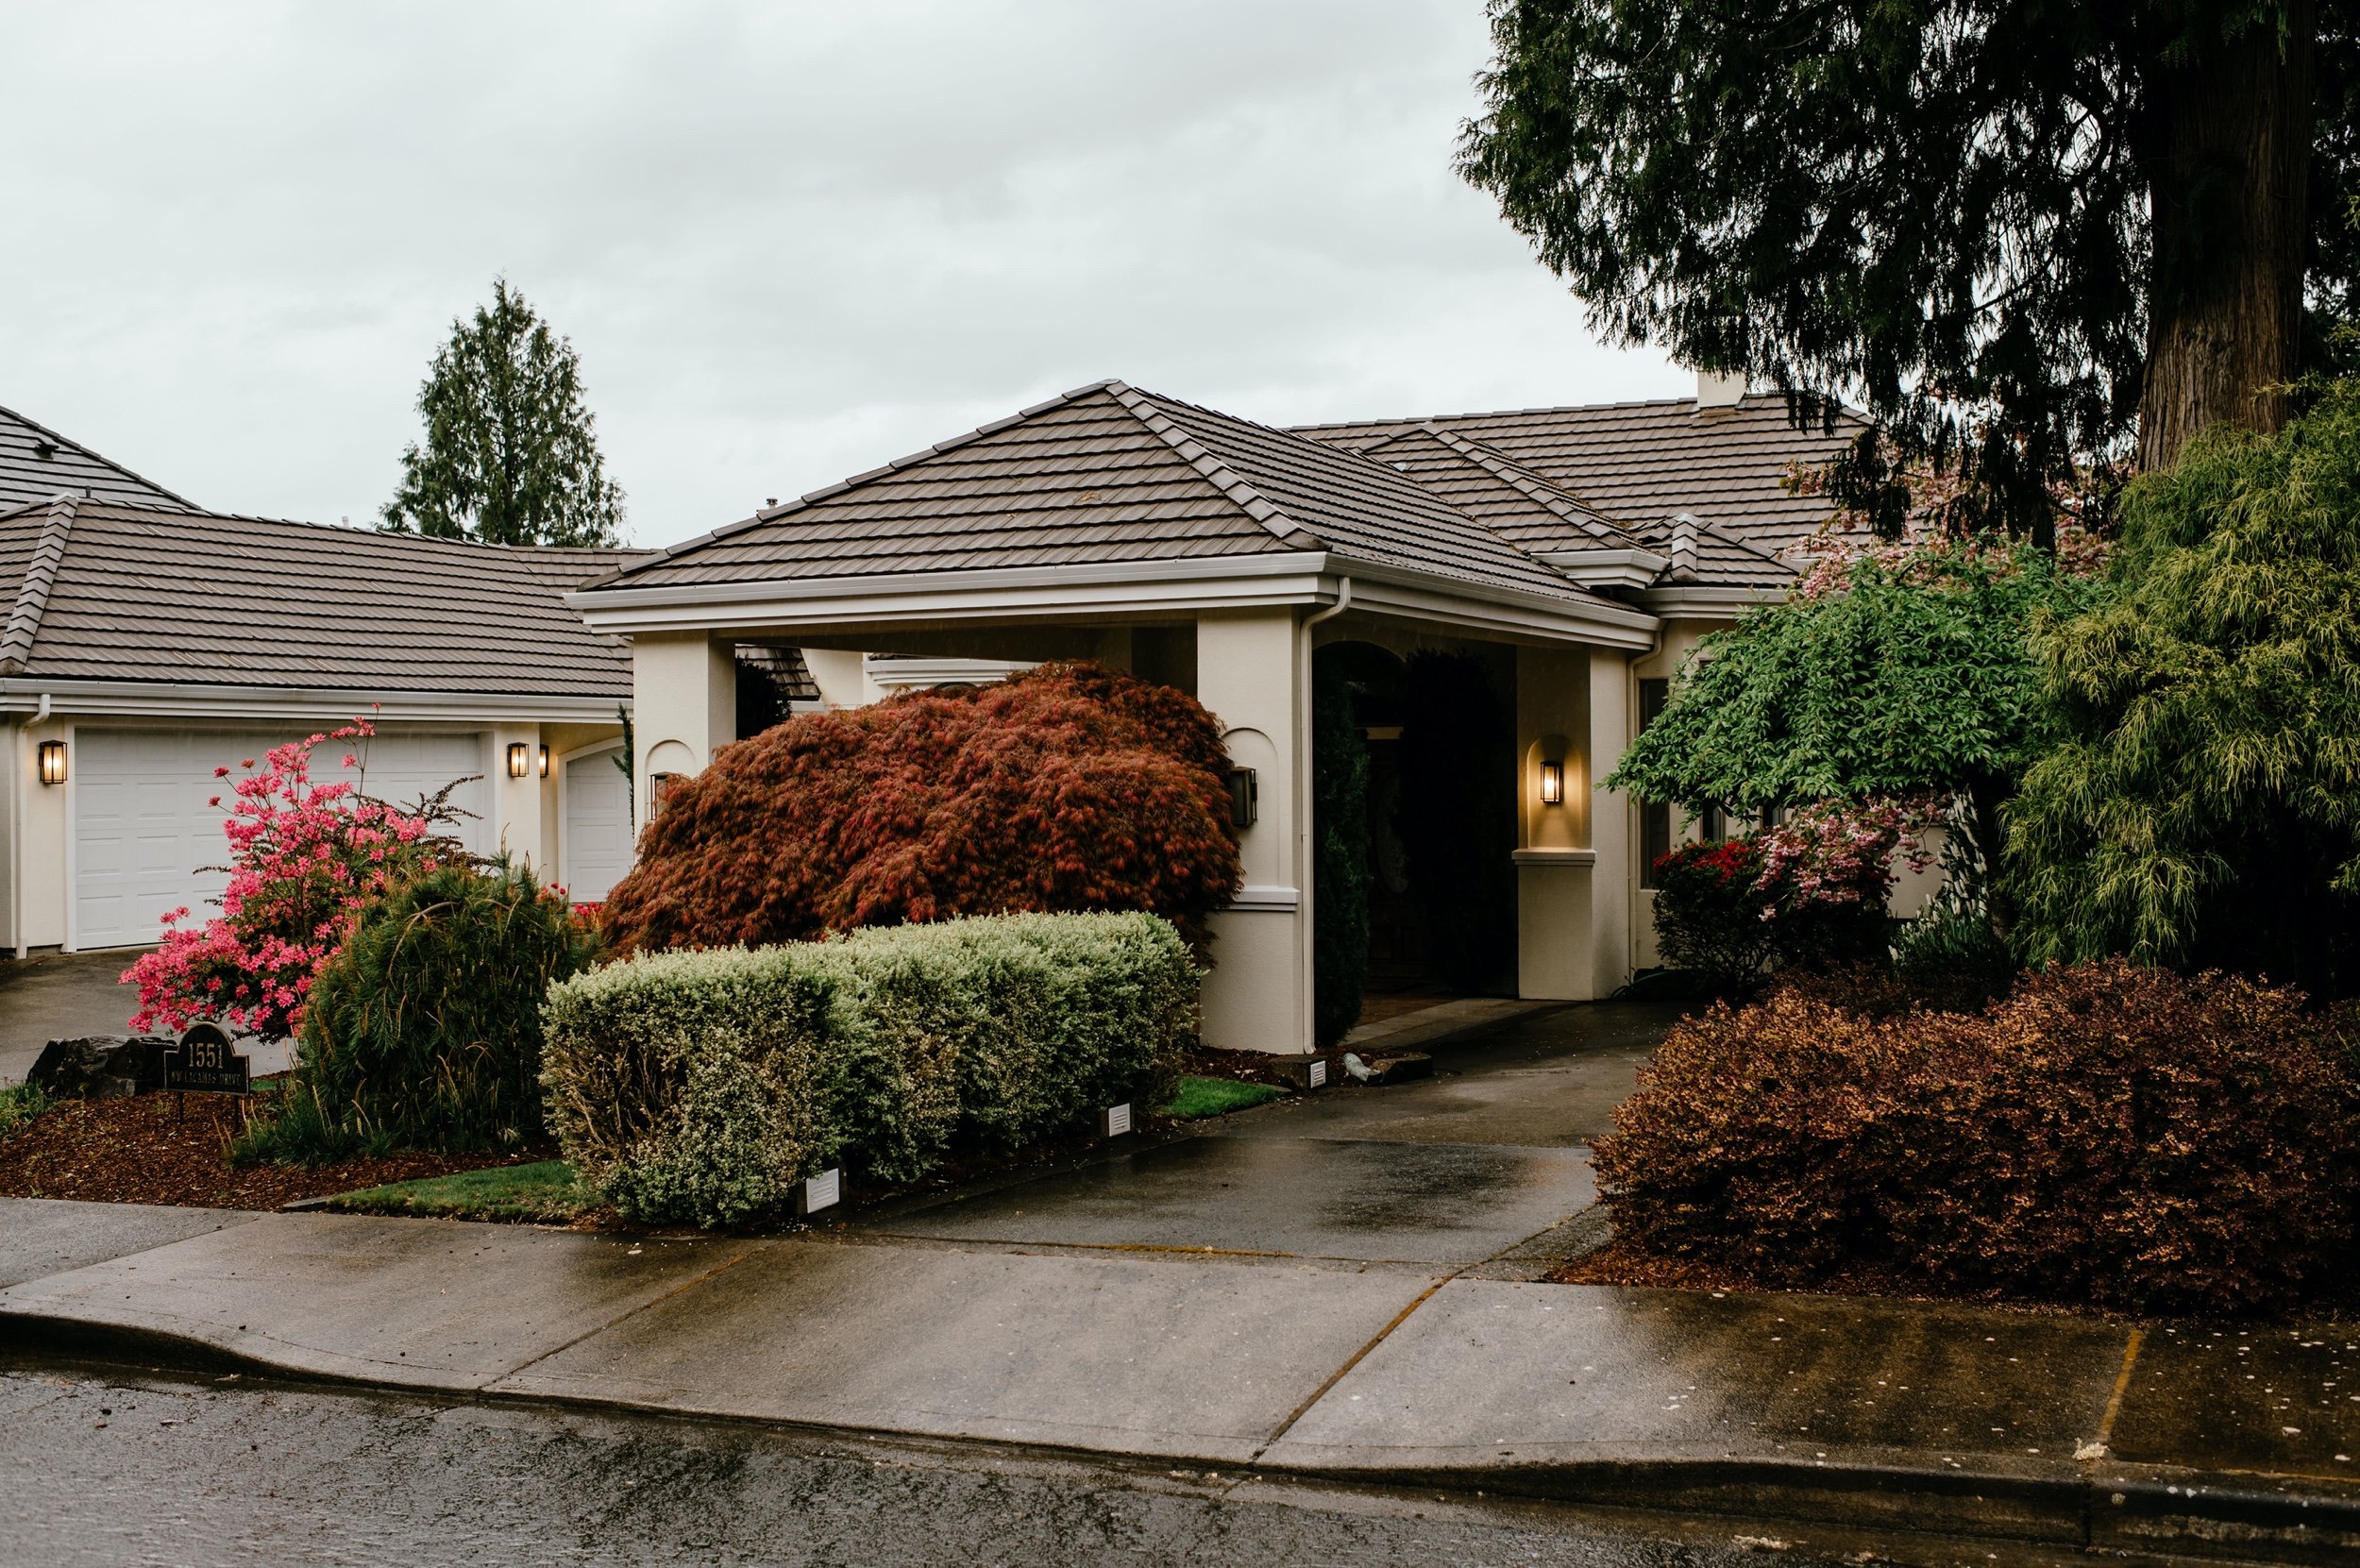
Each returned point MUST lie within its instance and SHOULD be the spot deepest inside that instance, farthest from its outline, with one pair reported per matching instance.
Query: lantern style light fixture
(520, 759)
(545, 762)
(1552, 784)
(52, 762)
(1245, 797)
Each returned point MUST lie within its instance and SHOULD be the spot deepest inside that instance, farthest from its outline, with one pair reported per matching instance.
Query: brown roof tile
(146, 594)
(36, 462)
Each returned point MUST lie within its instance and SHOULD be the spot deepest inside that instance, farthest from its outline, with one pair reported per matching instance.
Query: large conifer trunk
(2226, 307)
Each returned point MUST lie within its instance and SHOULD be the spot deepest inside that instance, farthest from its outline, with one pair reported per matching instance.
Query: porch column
(1557, 871)
(1251, 671)
(1615, 887)
(684, 694)
(516, 803)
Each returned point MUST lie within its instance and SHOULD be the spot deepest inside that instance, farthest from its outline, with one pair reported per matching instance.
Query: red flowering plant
(306, 857)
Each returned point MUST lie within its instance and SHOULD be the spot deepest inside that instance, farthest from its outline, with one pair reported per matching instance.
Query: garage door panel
(144, 826)
(597, 835)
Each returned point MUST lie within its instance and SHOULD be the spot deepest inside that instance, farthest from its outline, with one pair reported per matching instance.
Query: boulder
(101, 1067)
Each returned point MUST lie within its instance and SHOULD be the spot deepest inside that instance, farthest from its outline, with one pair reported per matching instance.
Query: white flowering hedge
(702, 1086)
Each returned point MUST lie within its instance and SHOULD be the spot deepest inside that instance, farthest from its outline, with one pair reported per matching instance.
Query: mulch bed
(136, 1151)
(1620, 1263)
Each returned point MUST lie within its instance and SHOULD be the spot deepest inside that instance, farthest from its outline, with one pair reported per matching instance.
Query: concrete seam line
(1338, 1374)
(2122, 1386)
(621, 1317)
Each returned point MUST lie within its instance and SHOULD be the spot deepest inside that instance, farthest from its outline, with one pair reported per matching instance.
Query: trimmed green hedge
(700, 1087)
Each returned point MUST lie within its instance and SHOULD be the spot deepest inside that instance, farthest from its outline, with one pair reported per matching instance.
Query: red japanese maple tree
(1067, 787)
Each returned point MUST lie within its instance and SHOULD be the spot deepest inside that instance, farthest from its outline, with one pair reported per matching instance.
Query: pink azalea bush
(306, 857)
(1842, 852)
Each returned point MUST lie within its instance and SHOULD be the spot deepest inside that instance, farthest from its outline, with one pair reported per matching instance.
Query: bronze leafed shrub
(2110, 1134)
(1068, 788)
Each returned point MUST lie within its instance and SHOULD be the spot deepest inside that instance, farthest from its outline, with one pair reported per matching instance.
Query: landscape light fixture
(1552, 784)
(52, 762)
(545, 762)
(520, 759)
(1245, 797)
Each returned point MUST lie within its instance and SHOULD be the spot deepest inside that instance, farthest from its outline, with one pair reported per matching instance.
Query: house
(1579, 553)
(147, 641)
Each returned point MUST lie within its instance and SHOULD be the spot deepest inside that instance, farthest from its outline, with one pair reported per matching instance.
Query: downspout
(1304, 833)
(16, 830)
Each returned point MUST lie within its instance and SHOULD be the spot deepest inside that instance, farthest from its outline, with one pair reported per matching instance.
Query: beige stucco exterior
(38, 820)
(1250, 665)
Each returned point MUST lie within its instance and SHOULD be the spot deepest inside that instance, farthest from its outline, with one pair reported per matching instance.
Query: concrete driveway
(59, 996)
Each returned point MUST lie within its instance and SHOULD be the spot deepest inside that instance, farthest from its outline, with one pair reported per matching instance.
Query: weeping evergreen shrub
(425, 1030)
(1340, 818)
(2201, 806)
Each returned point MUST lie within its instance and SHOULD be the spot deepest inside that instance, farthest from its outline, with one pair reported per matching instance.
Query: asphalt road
(111, 1468)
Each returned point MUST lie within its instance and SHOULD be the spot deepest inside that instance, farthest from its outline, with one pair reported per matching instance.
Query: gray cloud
(790, 240)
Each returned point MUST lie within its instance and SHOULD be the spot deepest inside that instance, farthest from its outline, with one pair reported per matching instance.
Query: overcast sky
(790, 240)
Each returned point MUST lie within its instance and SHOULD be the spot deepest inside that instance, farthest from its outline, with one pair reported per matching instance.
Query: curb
(2117, 1508)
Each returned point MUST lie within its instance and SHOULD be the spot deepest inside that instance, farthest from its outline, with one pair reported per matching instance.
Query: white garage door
(141, 827)
(597, 826)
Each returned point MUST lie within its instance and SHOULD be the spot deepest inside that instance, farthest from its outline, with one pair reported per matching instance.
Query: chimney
(1717, 391)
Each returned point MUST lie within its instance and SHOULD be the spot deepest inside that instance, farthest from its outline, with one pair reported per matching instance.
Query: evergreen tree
(510, 454)
(2018, 230)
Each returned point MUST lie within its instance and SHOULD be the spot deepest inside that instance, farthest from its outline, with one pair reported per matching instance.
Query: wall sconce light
(1552, 784)
(1245, 798)
(52, 762)
(545, 762)
(520, 759)
(659, 791)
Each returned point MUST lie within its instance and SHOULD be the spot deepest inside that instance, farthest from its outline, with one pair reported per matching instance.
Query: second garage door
(142, 826)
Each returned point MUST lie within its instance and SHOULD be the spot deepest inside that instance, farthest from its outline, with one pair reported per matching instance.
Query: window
(1655, 817)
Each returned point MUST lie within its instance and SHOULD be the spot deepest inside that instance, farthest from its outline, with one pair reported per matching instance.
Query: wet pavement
(60, 996)
(1317, 1290)
(1297, 1197)
(1548, 1082)
(54, 1236)
(105, 1469)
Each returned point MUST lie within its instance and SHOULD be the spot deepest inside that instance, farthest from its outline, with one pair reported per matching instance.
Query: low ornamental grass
(2108, 1135)
(702, 1086)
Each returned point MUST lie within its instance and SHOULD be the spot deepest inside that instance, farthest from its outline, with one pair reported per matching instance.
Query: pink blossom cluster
(1932, 533)
(305, 858)
(1842, 852)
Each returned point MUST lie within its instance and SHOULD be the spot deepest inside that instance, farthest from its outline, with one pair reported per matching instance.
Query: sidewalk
(1347, 1307)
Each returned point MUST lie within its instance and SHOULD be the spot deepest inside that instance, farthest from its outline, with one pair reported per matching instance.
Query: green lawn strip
(1217, 1097)
(545, 1190)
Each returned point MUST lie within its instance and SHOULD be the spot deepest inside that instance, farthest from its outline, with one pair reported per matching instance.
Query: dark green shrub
(702, 1086)
(1340, 816)
(425, 1030)
(2109, 1135)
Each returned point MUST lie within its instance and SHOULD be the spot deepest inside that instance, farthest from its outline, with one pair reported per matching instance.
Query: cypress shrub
(1340, 886)
(425, 1030)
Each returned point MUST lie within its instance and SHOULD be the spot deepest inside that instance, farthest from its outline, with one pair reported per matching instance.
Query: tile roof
(1106, 473)
(1507, 498)
(1640, 463)
(98, 590)
(36, 462)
